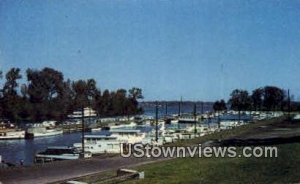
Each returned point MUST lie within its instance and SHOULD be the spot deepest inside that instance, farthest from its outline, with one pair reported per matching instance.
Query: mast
(289, 105)
(166, 110)
(82, 130)
(156, 121)
(195, 117)
(179, 112)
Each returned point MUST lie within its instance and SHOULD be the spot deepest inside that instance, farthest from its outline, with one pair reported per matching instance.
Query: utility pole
(179, 112)
(82, 130)
(156, 121)
(202, 111)
(195, 118)
(166, 109)
(289, 105)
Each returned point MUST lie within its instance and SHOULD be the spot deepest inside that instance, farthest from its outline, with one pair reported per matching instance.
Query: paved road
(63, 170)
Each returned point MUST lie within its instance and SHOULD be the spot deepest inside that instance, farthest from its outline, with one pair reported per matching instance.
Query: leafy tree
(257, 98)
(136, 93)
(1, 97)
(48, 96)
(273, 98)
(10, 100)
(119, 102)
(85, 93)
(240, 101)
(219, 106)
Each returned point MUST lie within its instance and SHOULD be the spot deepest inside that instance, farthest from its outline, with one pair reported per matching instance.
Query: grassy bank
(283, 169)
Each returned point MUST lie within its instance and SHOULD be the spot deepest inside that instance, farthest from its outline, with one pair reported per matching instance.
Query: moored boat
(97, 144)
(57, 153)
(7, 134)
(42, 132)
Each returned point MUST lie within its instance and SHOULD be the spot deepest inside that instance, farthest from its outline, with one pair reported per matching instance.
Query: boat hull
(44, 134)
(12, 135)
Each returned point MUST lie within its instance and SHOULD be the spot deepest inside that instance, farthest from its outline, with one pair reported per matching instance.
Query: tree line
(47, 95)
(268, 98)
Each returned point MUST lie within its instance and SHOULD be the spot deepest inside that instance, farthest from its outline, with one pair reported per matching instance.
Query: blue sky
(200, 50)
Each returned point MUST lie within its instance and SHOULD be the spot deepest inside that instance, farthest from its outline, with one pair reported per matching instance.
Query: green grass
(283, 169)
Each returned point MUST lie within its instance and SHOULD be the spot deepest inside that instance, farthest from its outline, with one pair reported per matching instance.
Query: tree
(136, 93)
(1, 99)
(106, 105)
(119, 102)
(219, 106)
(81, 93)
(85, 93)
(257, 98)
(11, 81)
(45, 84)
(10, 100)
(48, 96)
(273, 98)
(46, 89)
(240, 101)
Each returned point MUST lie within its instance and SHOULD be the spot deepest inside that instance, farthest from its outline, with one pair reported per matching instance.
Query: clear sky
(200, 50)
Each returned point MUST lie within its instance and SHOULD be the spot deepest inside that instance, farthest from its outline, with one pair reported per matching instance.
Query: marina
(99, 141)
(99, 92)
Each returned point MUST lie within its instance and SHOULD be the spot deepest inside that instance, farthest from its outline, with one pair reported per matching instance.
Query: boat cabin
(97, 144)
(128, 135)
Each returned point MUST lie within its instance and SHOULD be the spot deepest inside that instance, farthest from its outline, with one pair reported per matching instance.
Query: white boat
(200, 130)
(97, 144)
(57, 153)
(7, 134)
(297, 117)
(50, 132)
(87, 112)
(122, 126)
(42, 132)
(151, 140)
(128, 135)
(96, 129)
(132, 124)
(174, 121)
(186, 118)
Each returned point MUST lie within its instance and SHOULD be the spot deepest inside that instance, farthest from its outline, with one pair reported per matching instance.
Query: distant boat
(42, 132)
(186, 118)
(87, 112)
(96, 129)
(7, 134)
(130, 125)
